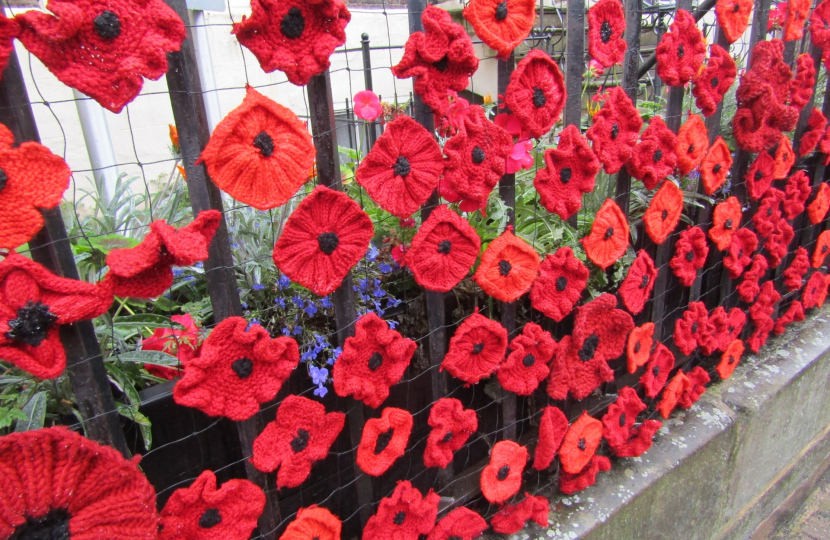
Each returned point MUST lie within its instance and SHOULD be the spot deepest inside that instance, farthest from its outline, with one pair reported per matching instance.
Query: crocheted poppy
(778, 243)
(569, 171)
(692, 144)
(573, 483)
(637, 286)
(301, 434)
(695, 329)
(764, 305)
(815, 291)
(798, 190)
(817, 210)
(536, 92)
(402, 169)
(784, 158)
(313, 522)
(600, 329)
(657, 371)
(733, 17)
(559, 285)
(451, 426)
(615, 130)
(663, 213)
(715, 166)
(145, 271)
(728, 326)
(726, 219)
(679, 384)
(501, 24)
(32, 177)
(404, 515)
(769, 213)
(795, 313)
(508, 267)
(552, 428)
(440, 59)
(104, 49)
(654, 157)
(34, 304)
(239, 368)
(759, 176)
(681, 50)
(59, 485)
(527, 364)
(618, 429)
(202, 512)
(569, 373)
(730, 359)
(609, 235)
(816, 126)
(460, 524)
(759, 336)
(801, 87)
(476, 349)
(824, 146)
(690, 254)
(796, 16)
(712, 83)
(749, 287)
(606, 32)
(640, 342)
(322, 239)
(502, 477)
(580, 443)
(820, 25)
(513, 517)
(739, 253)
(821, 250)
(698, 379)
(794, 274)
(383, 440)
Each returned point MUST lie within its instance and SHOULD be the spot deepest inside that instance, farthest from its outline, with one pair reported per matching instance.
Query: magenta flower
(512, 125)
(595, 68)
(446, 191)
(519, 158)
(367, 105)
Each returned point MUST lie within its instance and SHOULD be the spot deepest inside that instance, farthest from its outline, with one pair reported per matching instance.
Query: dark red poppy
(636, 288)
(817, 210)
(728, 326)
(580, 443)
(692, 144)
(759, 336)
(679, 384)
(569, 171)
(512, 518)
(508, 267)
(821, 250)
(777, 244)
(769, 213)
(730, 359)
(404, 515)
(750, 134)
(801, 87)
(784, 158)
(501, 24)
(476, 349)
(313, 522)
(759, 176)
(536, 92)
(663, 213)
(712, 83)
(502, 477)
(460, 524)
(552, 428)
(715, 166)
(690, 254)
(608, 239)
(606, 32)
(749, 287)
(815, 292)
(239, 368)
(654, 157)
(798, 190)
(796, 16)
(726, 219)
(694, 329)
(383, 440)
(618, 429)
(795, 313)
(657, 371)
(569, 373)
(559, 286)
(794, 274)
(820, 25)
(441, 59)
(733, 17)
(527, 364)
(615, 130)
(638, 349)
(681, 50)
(451, 426)
(573, 483)
(739, 253)
(816, 126)
(325, 236)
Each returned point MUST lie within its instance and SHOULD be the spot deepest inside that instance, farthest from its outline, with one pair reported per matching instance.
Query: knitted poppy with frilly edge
(313, 522)
(698, 379)
(383, 441)
(784, 158)
(587, 477)
(797, 192)
(726, 220)
(527, 364)
(608, 239)
(801, 87)
(569, 171)
(663, 213)
(778, 243)
(501, 24)
(758, 337)
(739, 253)
(815, 291)
(513, 517)
(694, 329)
(452, 425)
(795, 313)
(615, 130)
(552, 428)
(820, 25)
(239, 368)
(460, 524)
(681, 50)
(728, 326)
(638, 348)
(476, 349)
(657, 370)
(404, 515)
(715, 166)
(638, 284)
(103, 48)
(654, 157)
(624, 439)
(794, 19)
(570, 374)
(768, 213)
(301, 434)
(202, 512)
(817, 210)
(606, 32)
(580, 443)
(759, 176)
(508, 267)
(764, 306)
(794, 274)
(749, 287)
(502, 477)
(730, 359)
(816, 126)
(562, 279)
(536, 93)
(712, 83)
(690, 254)
(692, 144)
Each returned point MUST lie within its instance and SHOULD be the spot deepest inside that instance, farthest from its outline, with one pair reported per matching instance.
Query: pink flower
(519, 157)
(398, 254)
(367, 105)
(600, 96)
(776, 16)
(408, 222)
(595, 68)
(466, 205)
(184, 344)
(512, 125)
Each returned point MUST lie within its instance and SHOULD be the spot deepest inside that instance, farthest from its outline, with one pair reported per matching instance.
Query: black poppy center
(615, 130)
(501, 11)
(478, 155)
(539, 99)
(565, 175)
(265, 143)
(401, 166)
(293, 23)
(504, 268)
(375, 361)
(680, 51)
(33, 322)
(605, 32)
(444, 246)
(658, 155)
(637, 347)
(589, 347)
(824, 249)
(694, 327)
(736, 8)
(715, 82)
(478, 347)
(399, 518)
(609, 232)
(383, 440)
(622, 420)
(758, 175)
(211, 518)
(731, 359)
(740, 254)
(691, 148)
(728, 224)
(300, 442)
(328, 242)
(581, 444)
(447, 437)
(243, 367)
(561, 283)
(690, 256)
(442, 64)
(503, 472)
(3, 179)
(454, 537)
(52, 526)
(644, 282)
(107, 25)
(529, 360)
(655, 371)
(665, 214)
(716, 169)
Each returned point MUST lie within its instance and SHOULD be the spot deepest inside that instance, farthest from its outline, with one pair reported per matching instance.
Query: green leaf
(107, 243)
(145, 320)
(144, 424)
(34, 412)
(157, 358)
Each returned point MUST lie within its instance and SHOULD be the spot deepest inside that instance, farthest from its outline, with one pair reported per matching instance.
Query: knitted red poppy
(559, 286)
(443, 250)
(615, 130)
(502, 477)
(573, 483)
(777, 244)
(513, 517)
(636, 288)
(609, 235)
(801, 87)
(730, 359)
(784, 158)
(794, 274)
(728, 326)
(795, 313)
(712, 83)
(383, 440)
(759, 336)
(501, 24)
(508, 267)
(679, 384)
(663, 213)
(59, 485)
(313, 522)
(764, 305)
(824, 146)
(739, 253)
(460, 524)
(726, 219)
(32, 178)
(681, 50)
(796, 16)
(817, 210)
(105, 49)
(699, 378)
(34, 304)
(606, 32)
(451, 426)
(441, 59)
(816, 126)
(527, 364)
(202, 512)
(402, 169)
(239, 368)
(145, 271)
(404, 515)
(654, 157)
(657, 370)
(692, 144)
(536, 93)
(476, 349)
(580, 443)
(815, 291)
(715, 166)
(769, 212)
(821, 250)
(322, 239)
(552, 428)
(690, 254)
(638, 349)
(618, 429)
(749, 287)
(694, 330)
(569, 373)
(9, 30)
(733, 17)
(600, 329)
(798, 190)
(759, 176)
(301, 434)
(569, 171)
(820, 25)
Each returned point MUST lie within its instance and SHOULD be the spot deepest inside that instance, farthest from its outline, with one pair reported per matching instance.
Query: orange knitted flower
(383, 440)
(817, 209)
(822, 248)
(663, 212)
(502, 477)
(730, 359)
(313, 522)
(654, 157)
(784, 158)
(609, 235)
(476, 349)
(715, 166)
(639, 346)
(712, 83)
(733, 17)
(692, 144)
(759, 176)
(580, 444)
(606, 32)
(679, 384)
(726, 220)
(681, 50)
(508, 267)
(794, 19)
(501, 24)
(615, 130)
(536, 93)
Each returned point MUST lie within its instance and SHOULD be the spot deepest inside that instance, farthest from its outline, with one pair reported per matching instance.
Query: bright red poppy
(694, 329)
(768, 213)
(750, 287)
(552, 428)
(730, 359)
(536, 93)
(559, 286)
(784, 158)
(817, 210)
(654, 157)
(502, 477)
(821, 250)
(764, 306)
(777, 244)
(657, 370)
(712, 83)
(476, 349)
(663, 213)
(383, 440)
(692, 144)
(796, 16)
(618, 429)
(739, 253)
(715, 166)
(733, 17)
(820, 25)
(679, 384)
(816, 126)
(815, 291)
(569, 172)
(797, 191)
(513, 517)
(728, 325)
(404, 515)
(573, 483)
(638, 284)
(681, 50)
(795, 313)
(606, 32)
(501, 24)
(794, 274)
(313, 522)
(615, 130)
(570, 374)
(726, 219)
(759, 176)
(527, 364)
(638, 349)
(609, 235)
(758, 338)
(801, 87)
(460, 524)
(690, 254)
(580, 443)
(451, 425)
(508, 267)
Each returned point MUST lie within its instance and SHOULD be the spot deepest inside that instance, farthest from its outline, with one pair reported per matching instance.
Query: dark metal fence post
(574, 62)
(371, 127)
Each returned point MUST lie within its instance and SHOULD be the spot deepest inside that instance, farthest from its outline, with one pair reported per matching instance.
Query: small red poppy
(441, 59)
(527, 364)
(618, 429)
(778, 243)
(313, 522)
(383, 440)
(609, 235)
(726, 219)
(640, 342)
(476, 349)
(796, 16)
(798, 190)
(768, 214)
(694, 329)
(501, 24)
(559, 286)
(451, 426)
(679, 384)
(690, 254)
(502, 477)
(202, 512)
(573, 483)
(739, 253)
(784, 158)
(698, 378)
(816, 126)
(817, 210)
(460, 524)
(692, 144)
(730, 359)
(569, 171)
(820, 25)
(654, 157)
(795, 313)
(681, 50)
(712, 83)
(606, 32)
(404, 515)
(794, 274)
(728, 326)
(822, 248)
(759, 176)
(715, 166)
(815, 292)
(764, 305)
(536, 92)
(615, 130)
(580, 443)
(759, 336)
(801, 87)
(325, 236)
(733, 17)
(636, 288)
(552, 428)
(512, 518)
(749, 287)
(824, 146)
(569, 373)
(508, 267)
(663, 213)
(657, 370)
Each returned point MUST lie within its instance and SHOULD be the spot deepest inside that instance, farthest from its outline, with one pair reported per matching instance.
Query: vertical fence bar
(371, 127)
(574, 61)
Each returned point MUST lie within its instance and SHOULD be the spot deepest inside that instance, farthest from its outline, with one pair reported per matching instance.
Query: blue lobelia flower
(283, 282)
(321, 391)
(258, 287)
(325, 302)
(318, 375)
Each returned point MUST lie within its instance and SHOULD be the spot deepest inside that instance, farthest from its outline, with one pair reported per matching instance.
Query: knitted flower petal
(712, 83)
(502, 477)
(795, 313)
(615, 130)
(692, 144)
(798, 190)
(405, 514)
(730, 359)
(600, 329)
(794, 274)
(679, 384)
(451, 426)
(657, 370)
(801, 87)
(536, 93)
(527, 364)
(618, 429)
(508, 267)
(609, 235)
(750, 287)
(739, 253)
(816, 126)
(817, 210)
(663, 213)
(313, 522)
(784, 158)
(580, 443)
(695, 329)
(383, 441)
(460, 524)
(571, 374)
(726, 219)
(715, 166)
(796, 16)
(815, 291)
(690, 255)
(552, 428)
(501, 24)
(513, 517)
(569, 171)
(820, 25)
(476, 349)
(681, 50)
(636, 288)
(606, 32)
(728, 326)
(654, 158)
(559, 286)
(759, 176)
(733, 17)
(821, 250)
(638, 349)
(573, 483)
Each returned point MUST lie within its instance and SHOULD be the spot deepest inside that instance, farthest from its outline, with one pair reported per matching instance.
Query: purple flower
(325, 302)
(283, 282)
(318, 375)
(258, 287)
(321, 391)
(310, 309)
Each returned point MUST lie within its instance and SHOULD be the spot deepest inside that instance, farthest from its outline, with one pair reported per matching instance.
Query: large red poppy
(404, 515)
(694, 329)
(451, 425)
(730, 359)
(313, 522)
(512, 518)
(795, 313)
(606, 32)
(552, 428)
(750, 286)
(820, 25)
(715, 166)
(618, 429)
(679, 384)
(777, 244)
(527, 364)
(657, 370)
(654, 157)
(768, 213)
(681, 50)
(801, 87)
(501, 24)
(569, 171)
(712, 83)
(739, 253)
(797, 191)
(636, 288)
(383, 440)
(570, 374)
(815, 291)
(821, 250)
(638, 348)
(580, 443)
(502, 477)
(615, 130)
(508, 267)
(733, 17)
(587, 477)
(460, 524)
(794, 274)
(663, 213)
(690, 254)
(817, 210)
(559, 286)
(794, 19)
(609, 235)
(728, 325)
(784, 158)
(816, 126)
(476, 349)
(692, 144)
(764, 305)
(536, 93)
(726, 220)
(759, 176)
